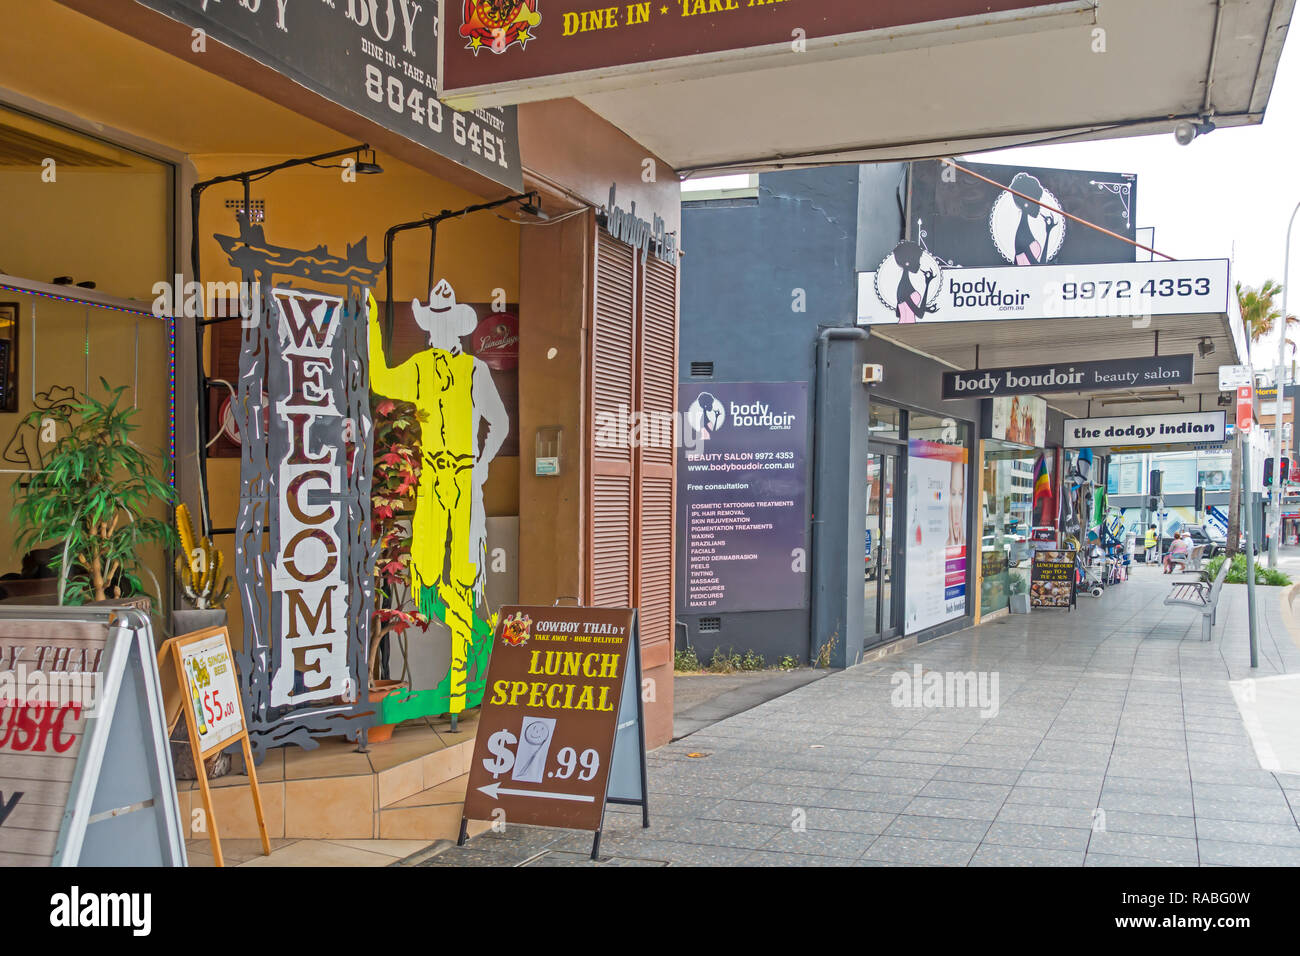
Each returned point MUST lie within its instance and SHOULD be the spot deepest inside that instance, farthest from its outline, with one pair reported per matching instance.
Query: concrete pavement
(1116, 741)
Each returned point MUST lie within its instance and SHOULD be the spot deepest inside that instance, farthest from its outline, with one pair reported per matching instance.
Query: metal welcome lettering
(307, 580)
(302, 535)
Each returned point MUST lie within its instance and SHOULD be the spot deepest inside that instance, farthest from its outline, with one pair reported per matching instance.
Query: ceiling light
(367, 167)
(1185, 130)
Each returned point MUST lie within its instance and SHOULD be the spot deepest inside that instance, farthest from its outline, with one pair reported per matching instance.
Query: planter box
(189, 621)
(1019, 603)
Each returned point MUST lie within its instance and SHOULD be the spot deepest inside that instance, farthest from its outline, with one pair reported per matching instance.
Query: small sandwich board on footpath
(214, 715)
(85, 766)
(562, 728)
(1052, 580)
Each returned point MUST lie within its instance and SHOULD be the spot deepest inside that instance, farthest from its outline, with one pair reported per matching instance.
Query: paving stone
(938, 828)
(1031, 835)
(821, 843)
(1223, 853)
(1236, 831)
(1075, 817)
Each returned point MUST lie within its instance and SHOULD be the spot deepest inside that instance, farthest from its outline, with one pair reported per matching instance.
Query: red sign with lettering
(1245, 408)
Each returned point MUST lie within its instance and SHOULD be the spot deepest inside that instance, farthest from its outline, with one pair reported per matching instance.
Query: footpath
(1113, 738)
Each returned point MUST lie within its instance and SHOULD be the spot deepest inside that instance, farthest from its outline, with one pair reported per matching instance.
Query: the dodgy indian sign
(561, 684)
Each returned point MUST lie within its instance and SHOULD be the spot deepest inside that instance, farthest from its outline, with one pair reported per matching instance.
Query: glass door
(878, 605)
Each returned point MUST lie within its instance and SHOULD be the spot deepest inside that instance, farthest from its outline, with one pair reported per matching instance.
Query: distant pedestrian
(1149, 545)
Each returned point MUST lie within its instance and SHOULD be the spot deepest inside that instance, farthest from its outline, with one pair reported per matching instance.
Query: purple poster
(741, 487)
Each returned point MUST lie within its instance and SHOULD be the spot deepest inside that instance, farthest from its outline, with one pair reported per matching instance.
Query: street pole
(1250, 553)
(1275, 490)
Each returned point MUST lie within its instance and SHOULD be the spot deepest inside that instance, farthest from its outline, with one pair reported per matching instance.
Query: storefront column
(839, 500)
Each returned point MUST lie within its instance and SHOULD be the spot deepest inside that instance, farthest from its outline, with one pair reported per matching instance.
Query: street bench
(1201, 594)
(1189, 562)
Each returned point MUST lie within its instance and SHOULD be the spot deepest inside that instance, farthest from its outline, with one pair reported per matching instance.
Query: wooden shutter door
(612, 394)
(654, 458)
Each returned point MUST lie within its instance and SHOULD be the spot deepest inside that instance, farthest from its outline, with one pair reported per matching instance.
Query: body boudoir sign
(1069, 377)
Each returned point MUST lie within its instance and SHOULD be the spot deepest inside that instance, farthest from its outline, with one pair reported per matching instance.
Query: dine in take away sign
(560, 714)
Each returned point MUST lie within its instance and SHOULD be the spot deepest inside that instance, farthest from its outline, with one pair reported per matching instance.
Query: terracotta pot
(379, 689)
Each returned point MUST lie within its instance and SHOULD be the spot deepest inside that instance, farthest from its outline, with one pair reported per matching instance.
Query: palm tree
(1260, 311)
(1260, 308)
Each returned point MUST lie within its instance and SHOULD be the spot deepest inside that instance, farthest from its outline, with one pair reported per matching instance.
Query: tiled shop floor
(1116, 741)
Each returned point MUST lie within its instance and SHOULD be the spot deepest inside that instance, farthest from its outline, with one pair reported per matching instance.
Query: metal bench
(1201, 594)
(1190, 561)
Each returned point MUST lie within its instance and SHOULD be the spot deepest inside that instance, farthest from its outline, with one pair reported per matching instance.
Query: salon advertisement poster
(741, 484)
(936, 534)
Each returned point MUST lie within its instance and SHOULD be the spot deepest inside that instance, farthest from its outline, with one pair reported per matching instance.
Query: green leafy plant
(725, 662)
(90, 499)
(1018, 584)
(686, 660)
(1237, 573)
(788, 663)
(395, 478)
(752, 661)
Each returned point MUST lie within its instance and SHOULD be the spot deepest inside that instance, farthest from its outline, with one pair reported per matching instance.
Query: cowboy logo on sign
(497, 25)
(518, 628)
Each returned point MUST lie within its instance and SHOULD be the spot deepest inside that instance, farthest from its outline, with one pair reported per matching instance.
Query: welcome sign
(1119, 432)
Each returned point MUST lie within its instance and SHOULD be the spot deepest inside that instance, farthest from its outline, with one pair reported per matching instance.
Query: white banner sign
(910, 286)
(1233, 377)
(1177, 429)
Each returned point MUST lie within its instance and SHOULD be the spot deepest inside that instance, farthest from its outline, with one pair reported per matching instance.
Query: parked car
(1200, 537)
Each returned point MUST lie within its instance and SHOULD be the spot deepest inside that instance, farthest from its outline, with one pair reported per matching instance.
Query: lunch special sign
(1127, 430)
(511, 51)
(560, 730)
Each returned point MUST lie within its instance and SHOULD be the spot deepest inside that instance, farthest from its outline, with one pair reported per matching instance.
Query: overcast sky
(1227, 195)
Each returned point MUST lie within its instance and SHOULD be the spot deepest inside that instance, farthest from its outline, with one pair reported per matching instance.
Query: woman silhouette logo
(1024, 232)
(909, 281)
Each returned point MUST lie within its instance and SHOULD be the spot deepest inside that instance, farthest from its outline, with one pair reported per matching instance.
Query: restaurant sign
(513, 51)
(1186, 428)
(1069, 377)
(378, 58)
(560, 733)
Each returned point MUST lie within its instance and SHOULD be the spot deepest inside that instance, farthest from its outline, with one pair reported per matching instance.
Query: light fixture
(367, 167)
(1185, 130)
(1205, 347)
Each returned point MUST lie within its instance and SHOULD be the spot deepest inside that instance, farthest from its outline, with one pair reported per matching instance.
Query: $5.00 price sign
(212, 691)
(555, 684)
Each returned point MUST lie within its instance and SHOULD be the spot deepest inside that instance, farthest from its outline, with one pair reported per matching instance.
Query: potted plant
(395, 477)
(90, 501)
(1018, 601)
(198, 569)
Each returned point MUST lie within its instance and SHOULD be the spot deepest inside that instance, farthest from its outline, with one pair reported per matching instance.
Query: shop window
(935, 428)
(883, 422)
(1214, 472)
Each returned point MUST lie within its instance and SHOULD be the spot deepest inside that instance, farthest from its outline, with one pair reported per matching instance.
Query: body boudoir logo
(706, 415)
(1025, 233)
(908, 282)
(497, 25)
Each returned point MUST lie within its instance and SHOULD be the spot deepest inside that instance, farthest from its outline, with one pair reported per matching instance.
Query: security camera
(1184, 132)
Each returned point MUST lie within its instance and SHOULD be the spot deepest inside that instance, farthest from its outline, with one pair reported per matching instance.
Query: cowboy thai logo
(497, 25)
(517, 629)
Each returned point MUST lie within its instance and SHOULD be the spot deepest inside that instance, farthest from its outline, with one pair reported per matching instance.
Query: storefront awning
(1058, 332)
(974, 81)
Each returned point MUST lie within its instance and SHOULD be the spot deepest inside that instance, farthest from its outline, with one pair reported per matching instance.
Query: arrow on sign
(493, 790)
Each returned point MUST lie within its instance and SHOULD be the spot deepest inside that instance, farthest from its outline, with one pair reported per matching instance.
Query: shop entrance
(880, 618)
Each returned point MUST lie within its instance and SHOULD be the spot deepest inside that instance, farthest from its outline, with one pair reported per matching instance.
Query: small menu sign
(560, 710)
(1051, 579)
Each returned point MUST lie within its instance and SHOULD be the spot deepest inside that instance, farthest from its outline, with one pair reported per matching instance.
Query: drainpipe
(819, 507)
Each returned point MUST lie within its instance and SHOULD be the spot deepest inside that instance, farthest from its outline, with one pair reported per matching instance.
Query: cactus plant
(199, 566)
